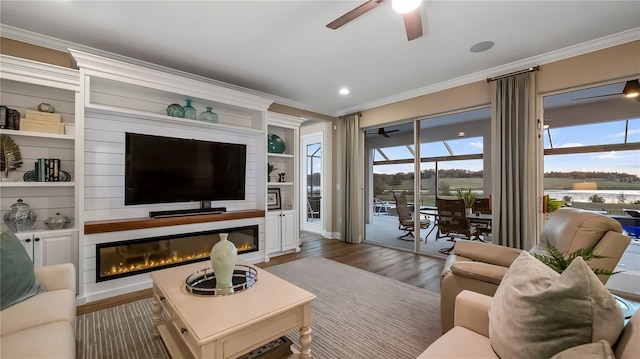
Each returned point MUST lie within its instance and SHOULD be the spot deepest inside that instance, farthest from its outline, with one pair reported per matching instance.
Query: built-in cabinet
(283, 186)
(281, 232)
(24, 84)
(50, 247)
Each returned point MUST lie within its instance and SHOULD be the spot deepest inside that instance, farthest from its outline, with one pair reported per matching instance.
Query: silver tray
(203, 282)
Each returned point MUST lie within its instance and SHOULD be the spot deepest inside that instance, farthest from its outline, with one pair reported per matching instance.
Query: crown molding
(553, 56)
(53, 43)
(557, 55)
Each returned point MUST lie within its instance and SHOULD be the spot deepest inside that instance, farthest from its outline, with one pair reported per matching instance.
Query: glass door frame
(306, 140)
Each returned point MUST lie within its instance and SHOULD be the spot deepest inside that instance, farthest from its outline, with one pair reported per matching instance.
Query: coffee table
(222, 327)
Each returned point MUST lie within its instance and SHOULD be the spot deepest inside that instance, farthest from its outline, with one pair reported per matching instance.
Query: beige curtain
(352, 179)
(513, 136)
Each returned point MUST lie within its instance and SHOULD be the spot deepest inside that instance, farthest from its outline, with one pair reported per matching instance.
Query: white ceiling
(284, 50)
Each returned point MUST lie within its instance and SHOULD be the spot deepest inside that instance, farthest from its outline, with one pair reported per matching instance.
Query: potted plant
(558, 262)
(468, 198)
(270, 168)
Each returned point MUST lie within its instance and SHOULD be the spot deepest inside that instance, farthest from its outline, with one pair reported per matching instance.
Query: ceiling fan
(631, 90)
(412, 19)
(384, 133)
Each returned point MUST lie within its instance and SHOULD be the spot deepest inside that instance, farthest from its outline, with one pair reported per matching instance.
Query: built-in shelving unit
(24, 84)
(282, 222)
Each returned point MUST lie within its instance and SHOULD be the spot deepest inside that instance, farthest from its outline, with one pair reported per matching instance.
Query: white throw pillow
(537, 313)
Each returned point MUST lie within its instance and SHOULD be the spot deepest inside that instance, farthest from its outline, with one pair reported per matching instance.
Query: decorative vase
(175, 110)
(468, 211)
(275, 144)
(189, 111)
(209, 116)
(223, 261)
(20, 217)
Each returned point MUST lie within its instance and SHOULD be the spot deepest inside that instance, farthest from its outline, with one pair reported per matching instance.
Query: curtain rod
(349, 114)
(530, 69)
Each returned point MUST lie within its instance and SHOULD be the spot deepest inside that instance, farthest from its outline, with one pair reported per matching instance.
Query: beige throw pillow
(537, 313)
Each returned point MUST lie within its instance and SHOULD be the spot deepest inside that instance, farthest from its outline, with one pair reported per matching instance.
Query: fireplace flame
(147, 263)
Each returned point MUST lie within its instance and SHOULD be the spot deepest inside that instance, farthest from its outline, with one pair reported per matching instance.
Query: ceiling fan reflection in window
(382, 132)
(409, 8)
(631, 90)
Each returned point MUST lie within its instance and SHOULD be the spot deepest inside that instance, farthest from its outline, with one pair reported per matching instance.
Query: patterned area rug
(356, 315)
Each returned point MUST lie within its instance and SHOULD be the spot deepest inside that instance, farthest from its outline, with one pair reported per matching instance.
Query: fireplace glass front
(121, 259)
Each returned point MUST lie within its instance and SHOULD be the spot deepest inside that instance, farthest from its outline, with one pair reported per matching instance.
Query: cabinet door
(272, 232)
(289, 238)
(27, 241)
(54, 249)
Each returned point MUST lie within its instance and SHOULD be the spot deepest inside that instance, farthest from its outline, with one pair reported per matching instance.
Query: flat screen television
(166, 170)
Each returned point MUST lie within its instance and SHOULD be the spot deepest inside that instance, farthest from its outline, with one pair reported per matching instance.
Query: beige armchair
(479, 267)
(472, 329)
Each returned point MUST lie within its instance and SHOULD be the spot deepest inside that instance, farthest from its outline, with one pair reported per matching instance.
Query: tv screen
(165, 169)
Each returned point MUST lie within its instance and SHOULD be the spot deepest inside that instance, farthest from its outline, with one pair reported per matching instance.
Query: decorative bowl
(275, 144)
(45, 107)
(57, 222)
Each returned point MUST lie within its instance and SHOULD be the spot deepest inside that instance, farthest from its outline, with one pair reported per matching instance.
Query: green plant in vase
(270, 168)
(468, 198)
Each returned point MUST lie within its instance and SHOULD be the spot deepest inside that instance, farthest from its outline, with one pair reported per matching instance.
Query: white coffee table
(228, 326)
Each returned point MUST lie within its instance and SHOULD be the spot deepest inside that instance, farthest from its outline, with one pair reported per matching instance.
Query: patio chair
(452, 221)
(311, 213)
(405, 217)
(380, 206)
(482, 205)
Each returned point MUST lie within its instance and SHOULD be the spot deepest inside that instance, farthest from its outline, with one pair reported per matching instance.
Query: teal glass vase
(209, 116)
(189, 111)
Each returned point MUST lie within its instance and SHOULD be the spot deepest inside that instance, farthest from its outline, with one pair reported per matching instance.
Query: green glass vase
(189, 111)
(209, 116)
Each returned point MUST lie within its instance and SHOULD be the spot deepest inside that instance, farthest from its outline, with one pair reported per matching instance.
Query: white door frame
(316, 137)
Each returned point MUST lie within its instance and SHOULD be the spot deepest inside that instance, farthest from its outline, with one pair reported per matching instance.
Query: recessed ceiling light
(460, 134)
(344, 91)
(482, 46)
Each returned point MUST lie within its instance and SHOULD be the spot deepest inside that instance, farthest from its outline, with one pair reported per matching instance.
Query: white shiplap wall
(104, 192)
(104, 164)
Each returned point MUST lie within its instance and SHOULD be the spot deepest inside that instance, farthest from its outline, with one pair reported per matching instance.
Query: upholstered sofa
(480, 267)
(470, 336)
(42, 326)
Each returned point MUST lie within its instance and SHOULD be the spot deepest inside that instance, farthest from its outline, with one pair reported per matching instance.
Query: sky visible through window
(574, 136)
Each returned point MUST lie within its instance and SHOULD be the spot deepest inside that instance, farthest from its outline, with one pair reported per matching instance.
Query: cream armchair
(479, 267)
(472, 329)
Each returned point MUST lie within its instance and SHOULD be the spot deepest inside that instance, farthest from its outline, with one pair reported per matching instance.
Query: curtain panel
(352, 179)
(514, 135)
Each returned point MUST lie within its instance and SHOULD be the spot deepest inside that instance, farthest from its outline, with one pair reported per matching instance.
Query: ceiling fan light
(405, 6)
(632, 88)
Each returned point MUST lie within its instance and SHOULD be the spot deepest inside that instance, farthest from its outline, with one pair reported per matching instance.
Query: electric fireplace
(122, 259)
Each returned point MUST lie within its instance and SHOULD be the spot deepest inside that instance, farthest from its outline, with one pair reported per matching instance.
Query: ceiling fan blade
(413, 24)
(353, 14)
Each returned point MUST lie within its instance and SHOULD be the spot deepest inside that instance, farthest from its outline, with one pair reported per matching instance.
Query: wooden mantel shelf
(115, 225)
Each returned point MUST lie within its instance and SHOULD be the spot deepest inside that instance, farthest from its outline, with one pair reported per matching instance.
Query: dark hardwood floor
(414, 269)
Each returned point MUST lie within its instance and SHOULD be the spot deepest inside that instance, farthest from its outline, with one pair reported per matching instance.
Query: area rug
(356, 315)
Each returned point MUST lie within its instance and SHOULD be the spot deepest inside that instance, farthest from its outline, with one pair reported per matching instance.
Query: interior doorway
(312, 183)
